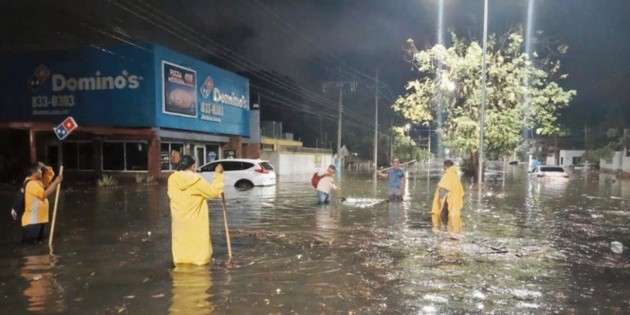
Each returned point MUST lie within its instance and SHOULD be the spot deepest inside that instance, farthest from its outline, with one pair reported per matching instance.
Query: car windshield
(552, 169)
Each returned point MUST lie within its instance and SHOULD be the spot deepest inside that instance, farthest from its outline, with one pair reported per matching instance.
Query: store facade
(135, 107)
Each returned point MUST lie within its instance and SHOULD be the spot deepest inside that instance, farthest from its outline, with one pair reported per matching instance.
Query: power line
(368, 79)
(239, 62)
(224, 56)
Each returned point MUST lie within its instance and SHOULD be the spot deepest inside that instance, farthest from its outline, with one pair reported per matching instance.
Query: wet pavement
(524, 247)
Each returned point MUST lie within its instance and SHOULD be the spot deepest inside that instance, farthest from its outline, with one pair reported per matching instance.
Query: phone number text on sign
(44, 101)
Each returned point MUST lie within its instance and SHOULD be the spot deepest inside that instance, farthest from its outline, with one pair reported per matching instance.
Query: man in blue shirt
(396, 176)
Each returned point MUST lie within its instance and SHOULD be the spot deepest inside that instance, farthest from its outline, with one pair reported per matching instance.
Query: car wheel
(244, 185)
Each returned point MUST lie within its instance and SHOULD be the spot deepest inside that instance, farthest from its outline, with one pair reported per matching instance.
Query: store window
(166, 151)
(125, 156)
(86, 156)
(212, 152)
(78, 155)
(113, 156)
(136, 157)
(70, 161)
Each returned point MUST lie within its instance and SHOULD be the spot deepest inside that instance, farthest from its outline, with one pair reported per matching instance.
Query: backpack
(19, 200)
(315, 179)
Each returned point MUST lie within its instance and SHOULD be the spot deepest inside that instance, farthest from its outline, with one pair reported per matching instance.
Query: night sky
(299, 45)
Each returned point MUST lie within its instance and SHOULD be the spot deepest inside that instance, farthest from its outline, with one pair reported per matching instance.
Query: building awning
(38, 126)
(169, 134)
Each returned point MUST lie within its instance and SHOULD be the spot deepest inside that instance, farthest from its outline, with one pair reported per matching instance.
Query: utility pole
(340, 110)
(585, 145)
(375, 126)
(429, 143)
(340, 84)
(429, 160)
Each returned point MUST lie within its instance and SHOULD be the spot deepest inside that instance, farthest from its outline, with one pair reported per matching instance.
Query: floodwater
(524, 247)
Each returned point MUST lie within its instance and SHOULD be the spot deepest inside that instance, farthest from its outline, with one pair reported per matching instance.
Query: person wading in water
(448, 200)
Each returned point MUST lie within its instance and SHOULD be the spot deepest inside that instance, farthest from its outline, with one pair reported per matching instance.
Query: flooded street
(525, 247)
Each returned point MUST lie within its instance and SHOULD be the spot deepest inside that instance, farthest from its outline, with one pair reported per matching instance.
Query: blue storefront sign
(95, 87)
(124, 87)
(222, 97)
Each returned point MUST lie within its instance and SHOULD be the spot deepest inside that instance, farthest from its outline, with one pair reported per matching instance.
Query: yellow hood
(183, 180)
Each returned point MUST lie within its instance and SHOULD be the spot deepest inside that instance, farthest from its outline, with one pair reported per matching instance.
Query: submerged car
(241, 173)
(549, 172)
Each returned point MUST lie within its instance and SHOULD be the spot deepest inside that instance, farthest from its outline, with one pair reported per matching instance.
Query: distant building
(570, 157)
(618, 163)
(612, 164)
(134, 107)
(288, 156)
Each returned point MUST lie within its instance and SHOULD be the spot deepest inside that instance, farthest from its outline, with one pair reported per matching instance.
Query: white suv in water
(544, 172)
(241, 173)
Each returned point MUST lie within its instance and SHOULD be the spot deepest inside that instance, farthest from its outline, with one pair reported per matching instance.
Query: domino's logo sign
(39, 77)
(65, 128)
(206, 87)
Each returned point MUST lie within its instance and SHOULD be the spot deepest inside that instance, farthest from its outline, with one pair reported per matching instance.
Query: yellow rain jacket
(35, 205)
(455, 197)
(190, 222)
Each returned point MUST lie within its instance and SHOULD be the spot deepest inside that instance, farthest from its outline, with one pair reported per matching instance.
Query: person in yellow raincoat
(190, 222)
(448, 200)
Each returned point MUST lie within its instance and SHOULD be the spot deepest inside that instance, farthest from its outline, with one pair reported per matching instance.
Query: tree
(520, 94)
(615, 143)
(405, 149)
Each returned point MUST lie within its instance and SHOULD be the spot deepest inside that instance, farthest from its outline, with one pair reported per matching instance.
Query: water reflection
(43, 293)
(191, 287)
(396, 216)
(325, 223)
(551, 187)
(244, 206)
(614, 187)
(526, 247)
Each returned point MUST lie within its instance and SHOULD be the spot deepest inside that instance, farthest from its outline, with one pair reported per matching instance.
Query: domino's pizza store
(135, 107)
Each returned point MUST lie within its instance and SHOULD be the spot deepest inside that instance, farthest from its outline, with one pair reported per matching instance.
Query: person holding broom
(396, 178)
(38, 186)
(188, 193)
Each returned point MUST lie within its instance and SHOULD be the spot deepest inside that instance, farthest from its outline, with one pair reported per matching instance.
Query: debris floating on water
(435, 298)
(479, 295)
(362, 202)
(616, 247)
